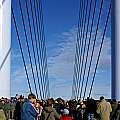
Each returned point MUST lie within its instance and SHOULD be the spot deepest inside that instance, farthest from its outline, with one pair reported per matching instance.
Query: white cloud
(61, 68)
(60, 64)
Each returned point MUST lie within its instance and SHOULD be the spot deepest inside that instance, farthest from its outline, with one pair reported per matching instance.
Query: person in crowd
(118, 112)
(82, 111)
(49, 113)
(29, 111)
(114, 105)
(79, 108)
(104, 109)
(59, 105)
(90, 108)
(72, 109)
(2, 114)
(65, 115)
(17, 112)
(39, 109)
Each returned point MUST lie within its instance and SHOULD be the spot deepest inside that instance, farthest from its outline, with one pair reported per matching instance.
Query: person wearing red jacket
(65, 115)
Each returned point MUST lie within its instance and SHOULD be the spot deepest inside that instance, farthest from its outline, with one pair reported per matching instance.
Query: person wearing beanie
(65, 115)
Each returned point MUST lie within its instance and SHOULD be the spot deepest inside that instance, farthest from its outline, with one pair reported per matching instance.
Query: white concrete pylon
(115, 49)
(5, 42)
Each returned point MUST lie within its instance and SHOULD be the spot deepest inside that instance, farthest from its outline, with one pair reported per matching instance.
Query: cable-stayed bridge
(29, 31)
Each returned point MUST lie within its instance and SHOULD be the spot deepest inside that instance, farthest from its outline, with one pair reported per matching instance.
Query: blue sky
(60, 19)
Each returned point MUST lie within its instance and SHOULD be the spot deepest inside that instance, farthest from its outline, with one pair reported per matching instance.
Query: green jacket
(51, 112)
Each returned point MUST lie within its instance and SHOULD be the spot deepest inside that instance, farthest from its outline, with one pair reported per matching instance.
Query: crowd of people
(6, 108)
(33, 109)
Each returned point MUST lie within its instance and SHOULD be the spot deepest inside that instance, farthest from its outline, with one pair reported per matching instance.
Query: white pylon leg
(115, 49)
(5, 42)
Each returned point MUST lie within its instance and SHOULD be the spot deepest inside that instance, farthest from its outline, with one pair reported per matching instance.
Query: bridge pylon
(5, 41)
(115, 45)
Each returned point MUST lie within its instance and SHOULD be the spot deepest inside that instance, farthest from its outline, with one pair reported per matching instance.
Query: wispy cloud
(61, 61)
(61, 68)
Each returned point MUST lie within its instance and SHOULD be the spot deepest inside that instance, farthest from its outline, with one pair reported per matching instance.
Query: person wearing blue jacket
(28, 111)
